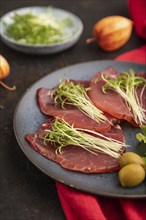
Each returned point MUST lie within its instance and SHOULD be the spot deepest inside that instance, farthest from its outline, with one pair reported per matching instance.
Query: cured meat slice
(111, 102)
(70, 114)
(73, 157)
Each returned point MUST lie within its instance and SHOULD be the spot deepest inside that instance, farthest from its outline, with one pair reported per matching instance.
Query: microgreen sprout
(62, 134)
(67, 93)
(41, 28)
(126, 85)
(142, 136)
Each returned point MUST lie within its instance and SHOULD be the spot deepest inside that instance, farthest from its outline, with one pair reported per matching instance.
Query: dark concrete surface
(25, 192)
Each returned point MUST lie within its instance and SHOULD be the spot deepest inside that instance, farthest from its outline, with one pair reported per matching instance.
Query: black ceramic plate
(28, 118)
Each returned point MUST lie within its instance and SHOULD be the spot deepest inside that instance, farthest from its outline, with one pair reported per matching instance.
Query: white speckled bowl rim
(77, 28)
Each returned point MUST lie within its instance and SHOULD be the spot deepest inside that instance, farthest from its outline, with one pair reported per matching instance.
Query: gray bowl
(75, 31)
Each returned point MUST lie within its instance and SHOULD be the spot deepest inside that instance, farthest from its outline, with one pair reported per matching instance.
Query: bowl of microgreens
(40, 30)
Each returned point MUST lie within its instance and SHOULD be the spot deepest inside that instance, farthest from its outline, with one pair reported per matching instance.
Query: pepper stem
(7, 87)
(90, 40)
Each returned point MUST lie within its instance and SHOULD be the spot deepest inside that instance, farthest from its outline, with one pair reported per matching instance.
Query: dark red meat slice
(70, 114)
(110, 102)
(76, 158)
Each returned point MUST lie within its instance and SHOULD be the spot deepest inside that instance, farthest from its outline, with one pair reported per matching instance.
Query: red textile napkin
(137, 55)
(78, 205)
(137, 9)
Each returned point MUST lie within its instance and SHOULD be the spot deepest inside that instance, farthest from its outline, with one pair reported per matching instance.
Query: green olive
(131, 175)
(130, 157)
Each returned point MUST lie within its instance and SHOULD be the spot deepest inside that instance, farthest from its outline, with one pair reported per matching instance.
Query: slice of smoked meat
(70, 114)
(111, 102)
(73, 157)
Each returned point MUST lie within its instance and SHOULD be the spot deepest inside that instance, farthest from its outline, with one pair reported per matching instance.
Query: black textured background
(25, 192)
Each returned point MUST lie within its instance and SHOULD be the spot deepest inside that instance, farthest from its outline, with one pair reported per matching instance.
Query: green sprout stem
(62, 134)
(69, 94)
(125, 85)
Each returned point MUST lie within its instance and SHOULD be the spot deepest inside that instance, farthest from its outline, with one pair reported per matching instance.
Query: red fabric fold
(137, 9)
(78, 205)
(134, 209)
(137, 55)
